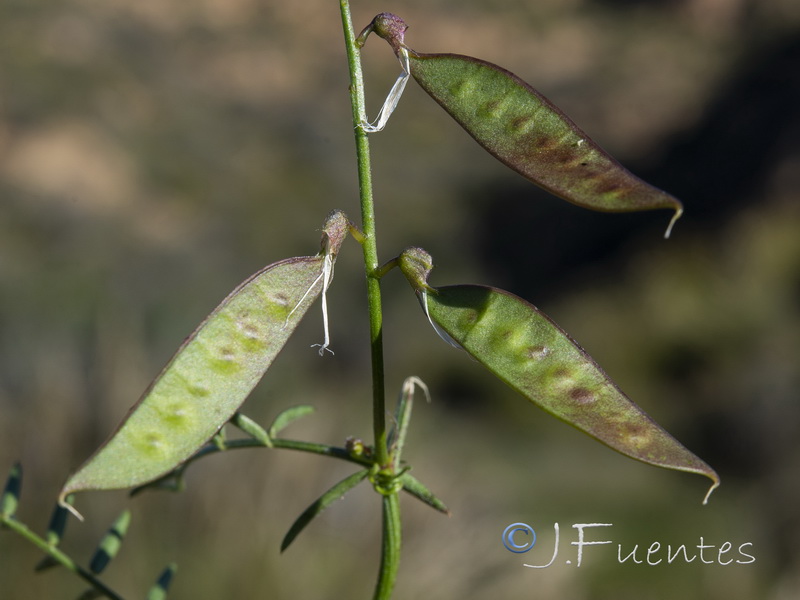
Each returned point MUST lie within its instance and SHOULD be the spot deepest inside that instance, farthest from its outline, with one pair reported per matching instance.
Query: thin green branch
(58, 556)
(369, 244)
(390, 550)
(210, 448)
(390, 555)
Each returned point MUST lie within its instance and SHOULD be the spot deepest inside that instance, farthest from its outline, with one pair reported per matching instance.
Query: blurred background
(153, 154)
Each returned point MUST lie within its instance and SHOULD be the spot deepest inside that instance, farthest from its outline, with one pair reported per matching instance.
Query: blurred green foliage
(154, 154)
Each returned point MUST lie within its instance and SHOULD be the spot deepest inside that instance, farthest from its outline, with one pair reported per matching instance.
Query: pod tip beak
(675, 217)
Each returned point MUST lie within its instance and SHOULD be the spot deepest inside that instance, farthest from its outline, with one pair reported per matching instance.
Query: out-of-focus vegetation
(153, 154)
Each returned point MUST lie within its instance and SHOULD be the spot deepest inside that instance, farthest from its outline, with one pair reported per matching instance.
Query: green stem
(390, 551)
(390, 556)
(208, 449)
(286, 444)
(408, 483)
(369, 244)
(58, 556)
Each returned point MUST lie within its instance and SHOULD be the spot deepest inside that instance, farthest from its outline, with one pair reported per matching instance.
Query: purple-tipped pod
(213, 372)
(524, 348)
(524, 130)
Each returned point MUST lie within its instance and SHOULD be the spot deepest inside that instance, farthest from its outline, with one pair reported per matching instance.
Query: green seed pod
(533, 355)
(213, 372)
(524, 130)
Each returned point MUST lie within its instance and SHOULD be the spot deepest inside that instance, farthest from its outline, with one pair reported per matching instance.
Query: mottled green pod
(213, 372)
(533, 355)
(524, 130)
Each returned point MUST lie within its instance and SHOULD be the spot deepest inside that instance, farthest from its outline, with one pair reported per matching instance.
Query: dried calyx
(387, 26)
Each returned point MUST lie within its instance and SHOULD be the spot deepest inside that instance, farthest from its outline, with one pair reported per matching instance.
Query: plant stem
(390, 555)
(369, 244)
(390, 551)
(282, 443)
(59, 557)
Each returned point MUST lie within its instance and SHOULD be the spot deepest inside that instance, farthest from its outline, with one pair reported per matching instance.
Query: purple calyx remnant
(387, 26)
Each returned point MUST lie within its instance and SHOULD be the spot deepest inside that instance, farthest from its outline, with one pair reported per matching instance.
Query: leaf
(159, 590)
(417, 489)
(213, 372)
(47, 562)
(524, 130)
(323, 502)
(110, 544)
(287, 417)
(251, 428)
(527, 350)
(397, 437)
(57, 525)
(55, 532)
(10, 498)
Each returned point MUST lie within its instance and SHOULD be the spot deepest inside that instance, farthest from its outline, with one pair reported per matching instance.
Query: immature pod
(533, 355)
(524, 130)
(213, 372)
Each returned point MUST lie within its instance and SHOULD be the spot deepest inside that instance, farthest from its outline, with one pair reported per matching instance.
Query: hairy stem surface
(390, 556)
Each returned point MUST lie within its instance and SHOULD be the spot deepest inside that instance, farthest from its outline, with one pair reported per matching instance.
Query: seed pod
(524, 130)
(213, 372)
(533, 355)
